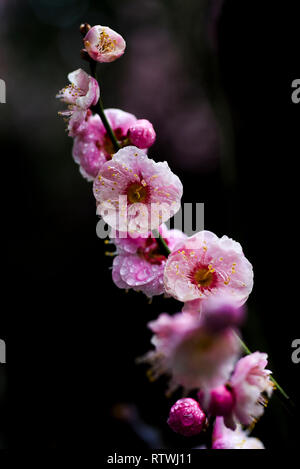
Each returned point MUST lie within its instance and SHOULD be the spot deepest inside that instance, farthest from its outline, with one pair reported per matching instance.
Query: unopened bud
(84, 28)
(142, 134)
(187, 418)
(222, 400)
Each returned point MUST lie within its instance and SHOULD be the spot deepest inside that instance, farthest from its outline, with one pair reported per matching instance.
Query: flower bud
(103, 44)
(142, 134)
(222, 400)
(220, 313)
(84, 28)
(187, 418)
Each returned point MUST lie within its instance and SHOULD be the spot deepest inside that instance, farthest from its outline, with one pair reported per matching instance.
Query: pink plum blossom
(140, 264)
(251, 385)
(191, 355)
(187, 418)
(224, 438)
(134, 193)
(82, 93)
(205, 265)
(142, 134)
(103, 44)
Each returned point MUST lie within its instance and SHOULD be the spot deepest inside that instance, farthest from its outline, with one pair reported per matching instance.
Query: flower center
(137, 193)
(151, 252)
(72, 92)
(106, 44)
(204, 277)
(108, 146)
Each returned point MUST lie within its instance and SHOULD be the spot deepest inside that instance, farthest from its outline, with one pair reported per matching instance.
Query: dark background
(214, 78)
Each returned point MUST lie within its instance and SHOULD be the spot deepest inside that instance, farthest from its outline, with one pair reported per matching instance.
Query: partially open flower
(251, 386)
(193, 356)
(224, 438)
(103, 44)
(140, 262)
(187, 418)
(82, 93)
(134, 193)
(205, 265)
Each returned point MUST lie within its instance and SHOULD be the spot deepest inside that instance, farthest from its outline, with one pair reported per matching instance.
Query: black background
(71, 335)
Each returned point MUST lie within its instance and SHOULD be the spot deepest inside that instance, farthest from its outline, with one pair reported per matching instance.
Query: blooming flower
(192, 355)
(205, 265)
(224, 438)
(136, 194)
(251, 385)
(186, 417)
(82, 93)
(140, 263)
(103, 44)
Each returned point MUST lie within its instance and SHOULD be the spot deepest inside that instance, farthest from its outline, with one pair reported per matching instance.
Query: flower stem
(163, 245)
(99, 109)
(248, 352)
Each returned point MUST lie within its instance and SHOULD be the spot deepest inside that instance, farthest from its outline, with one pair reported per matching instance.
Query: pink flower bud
(103, 44)
(187, 418)
(142, 134)
(222, 400)
(222, 312)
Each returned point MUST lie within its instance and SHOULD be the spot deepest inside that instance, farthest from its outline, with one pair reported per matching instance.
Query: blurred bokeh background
(214, 77)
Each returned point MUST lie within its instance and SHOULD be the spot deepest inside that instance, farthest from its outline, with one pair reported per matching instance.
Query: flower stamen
(137, 193)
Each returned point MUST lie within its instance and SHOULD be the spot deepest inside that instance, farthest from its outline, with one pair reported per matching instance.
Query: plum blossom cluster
(199, 348)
